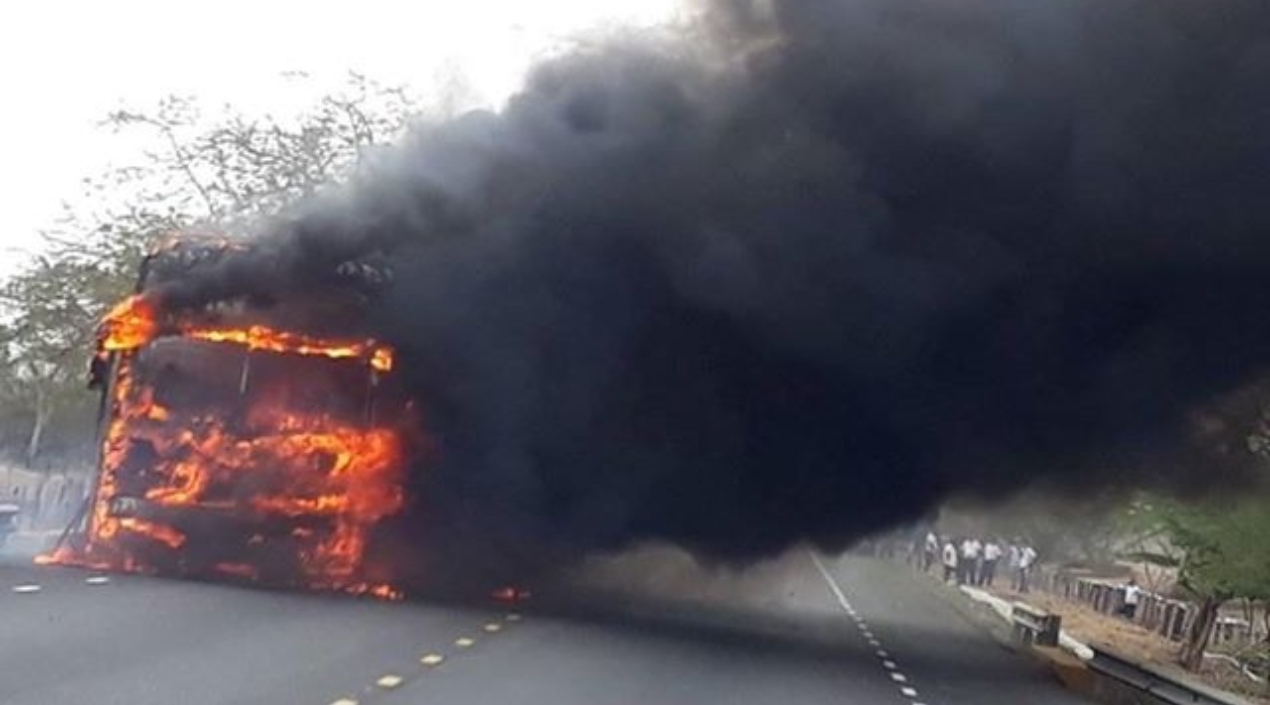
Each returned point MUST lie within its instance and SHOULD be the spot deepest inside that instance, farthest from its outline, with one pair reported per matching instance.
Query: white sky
(65, 63)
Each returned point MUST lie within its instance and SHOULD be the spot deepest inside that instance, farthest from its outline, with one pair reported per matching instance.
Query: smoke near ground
(806, 269)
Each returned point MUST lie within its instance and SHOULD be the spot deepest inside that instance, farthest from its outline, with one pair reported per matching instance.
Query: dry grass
(1128, 639)
(1093, 627)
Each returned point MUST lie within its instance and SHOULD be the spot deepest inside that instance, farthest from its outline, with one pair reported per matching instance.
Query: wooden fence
(1168, 617)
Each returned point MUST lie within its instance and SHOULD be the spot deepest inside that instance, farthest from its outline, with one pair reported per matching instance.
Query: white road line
(896, 676)
(26, 588)
(389, 681)
(833, 585)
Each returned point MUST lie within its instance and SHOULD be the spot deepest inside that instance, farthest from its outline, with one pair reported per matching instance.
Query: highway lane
(139, 640)
(654, 628)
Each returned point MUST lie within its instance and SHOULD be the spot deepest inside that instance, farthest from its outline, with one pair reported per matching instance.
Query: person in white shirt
(991, 556)
(930, 551)
(1132, 595)
(1027, 556)
(969, 563)
(950, 561)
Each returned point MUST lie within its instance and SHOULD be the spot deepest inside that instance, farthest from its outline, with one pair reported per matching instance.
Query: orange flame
(166, 535)
(134, 323)
(264, 338)
(328, 481)
(129, 325)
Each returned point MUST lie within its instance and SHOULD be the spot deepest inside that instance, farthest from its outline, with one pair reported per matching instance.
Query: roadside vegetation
(1210, 553)
(222, 172)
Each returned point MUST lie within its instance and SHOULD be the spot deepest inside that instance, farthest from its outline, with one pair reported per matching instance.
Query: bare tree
(224, 172)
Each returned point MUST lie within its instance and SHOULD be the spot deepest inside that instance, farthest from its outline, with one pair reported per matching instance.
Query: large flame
(133, 324)
(326, 481)
(129, 325)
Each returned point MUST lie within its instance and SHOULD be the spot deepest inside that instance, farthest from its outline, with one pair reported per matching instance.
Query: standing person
(929, 551)
(950, 561)
(969, 561)
(1013, 553)
(1027, 557)
(1132, 594)
(991, 556)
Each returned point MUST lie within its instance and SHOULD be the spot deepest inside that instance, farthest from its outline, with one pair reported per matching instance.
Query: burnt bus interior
(220, 460)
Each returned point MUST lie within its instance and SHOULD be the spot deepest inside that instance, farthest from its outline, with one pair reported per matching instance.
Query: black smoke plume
(807, 268)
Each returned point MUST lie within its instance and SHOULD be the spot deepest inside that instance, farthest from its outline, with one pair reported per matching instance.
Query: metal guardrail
(1158, 685)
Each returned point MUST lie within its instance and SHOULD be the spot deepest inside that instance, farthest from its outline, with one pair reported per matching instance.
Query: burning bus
(233, 447)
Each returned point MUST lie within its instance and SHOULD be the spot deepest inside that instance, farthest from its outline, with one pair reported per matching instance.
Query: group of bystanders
(969, 560)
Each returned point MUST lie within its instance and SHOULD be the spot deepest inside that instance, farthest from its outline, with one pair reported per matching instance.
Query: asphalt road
(647, 630)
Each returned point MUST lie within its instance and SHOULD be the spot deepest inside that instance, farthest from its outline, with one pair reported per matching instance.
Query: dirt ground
(1130, 640)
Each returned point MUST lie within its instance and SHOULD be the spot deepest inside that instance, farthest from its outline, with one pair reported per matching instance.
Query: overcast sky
(65, 64)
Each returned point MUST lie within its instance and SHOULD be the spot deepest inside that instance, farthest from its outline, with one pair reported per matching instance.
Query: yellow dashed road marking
(389, 681)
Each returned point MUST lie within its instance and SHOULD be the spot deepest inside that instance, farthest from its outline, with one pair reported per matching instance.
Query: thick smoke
(807, 269)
